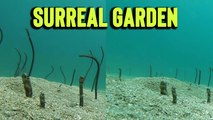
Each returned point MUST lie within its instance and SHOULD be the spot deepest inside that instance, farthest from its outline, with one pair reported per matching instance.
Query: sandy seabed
(139, 99)
(130, 99)
(62, 103)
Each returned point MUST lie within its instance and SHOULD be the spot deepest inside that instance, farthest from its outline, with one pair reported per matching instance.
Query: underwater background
(185, 48)
(56, 47)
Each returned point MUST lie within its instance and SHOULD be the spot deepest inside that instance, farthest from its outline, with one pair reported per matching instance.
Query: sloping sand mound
(62, 103)
(139, 98)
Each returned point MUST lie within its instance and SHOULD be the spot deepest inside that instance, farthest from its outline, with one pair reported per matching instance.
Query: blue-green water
(52, 47)
(185, 48)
